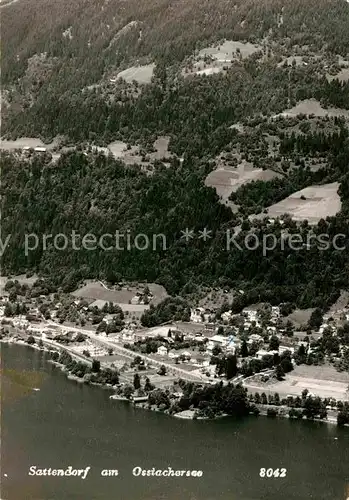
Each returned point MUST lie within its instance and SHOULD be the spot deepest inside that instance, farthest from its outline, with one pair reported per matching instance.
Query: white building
(284, 348)
(186, 354)
(217, 340)
(251, 314)
(197, 315)
(108, 318)
(173, 355)
(226, 316)
(262, 352)
(324, 326)
(255, 338)
(162, 351)
(275, 311)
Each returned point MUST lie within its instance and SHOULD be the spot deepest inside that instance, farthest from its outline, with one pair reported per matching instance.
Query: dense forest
(169, 31)
(56, 57)
(195, 112)
(98, 194)
(57, 61)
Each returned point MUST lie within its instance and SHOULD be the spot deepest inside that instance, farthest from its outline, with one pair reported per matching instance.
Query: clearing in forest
(312, 203)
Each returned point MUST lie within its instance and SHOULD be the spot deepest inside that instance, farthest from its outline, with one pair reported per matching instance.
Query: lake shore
(184, 415)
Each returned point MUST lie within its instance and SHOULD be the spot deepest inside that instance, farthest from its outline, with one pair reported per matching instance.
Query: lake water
(66, 423)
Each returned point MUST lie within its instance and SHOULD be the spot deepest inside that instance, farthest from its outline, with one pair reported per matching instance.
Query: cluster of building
(203, 334)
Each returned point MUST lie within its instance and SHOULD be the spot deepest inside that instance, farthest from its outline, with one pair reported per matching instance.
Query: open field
(229, 50)
(22, 279)
(132, 155)
(189, 327)
(323, 372)
(129, 155)
(23, 142)
(204, 68)
(215, 299)
(208, 71)
(161, 148)
(155, 331)
(300, 316)
(321, 381)
(298, 61)
(340, 304)
(141, 74)
(212, 60)
(125, 307)
(118, 148)
(342, 76)
(94, 290)
(226, 179)
(313, 107)
(324, 389)
(320, 202)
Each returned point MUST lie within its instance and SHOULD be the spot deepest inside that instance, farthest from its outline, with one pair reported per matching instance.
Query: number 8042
(272, 472)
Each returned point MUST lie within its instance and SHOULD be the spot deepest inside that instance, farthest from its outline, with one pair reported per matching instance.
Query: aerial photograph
(174, 250)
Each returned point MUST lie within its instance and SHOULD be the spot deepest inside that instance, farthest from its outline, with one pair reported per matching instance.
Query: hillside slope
(58, 62)
(88, 35)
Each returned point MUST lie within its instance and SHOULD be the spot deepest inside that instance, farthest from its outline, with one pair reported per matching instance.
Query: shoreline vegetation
(192, 401)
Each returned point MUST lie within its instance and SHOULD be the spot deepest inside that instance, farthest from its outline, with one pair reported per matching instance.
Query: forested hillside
(52, 50)
(97, 194)
(57, 63)
(169, 29)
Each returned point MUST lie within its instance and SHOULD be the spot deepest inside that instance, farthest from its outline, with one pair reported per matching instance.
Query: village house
(108, 318)
(211, 327)
(138, 336)
(255, 338)
(324, 326)
(162, 351)
(275, 311)
(217, 340)
(247, 325)
(226, 316)
(127, 336)
(35, 315)
(262, 352)
(20, 322)
(35, 329)
(284, 348)
(186, 355)
(197, 315)
(251, 314)
(139, 399)
(135, 300)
